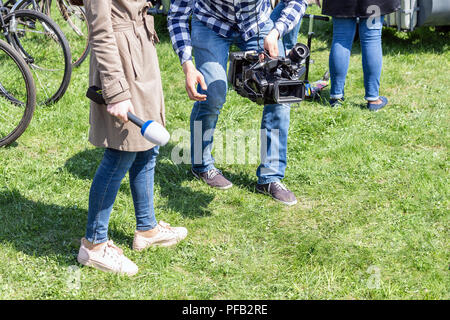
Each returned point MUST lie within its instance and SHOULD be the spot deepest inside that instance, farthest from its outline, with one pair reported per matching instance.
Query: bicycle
(314, 89)
(71, 19)
(43, 46)
(17, 94)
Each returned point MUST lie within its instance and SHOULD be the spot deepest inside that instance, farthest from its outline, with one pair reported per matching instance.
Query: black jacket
(357, 8)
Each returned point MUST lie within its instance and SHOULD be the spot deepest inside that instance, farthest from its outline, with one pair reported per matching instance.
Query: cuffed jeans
(344, 30)
(211, 56)
(113, 167)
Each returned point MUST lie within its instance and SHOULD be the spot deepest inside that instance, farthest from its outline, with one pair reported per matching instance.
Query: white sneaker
(109, 258)
(167, 236)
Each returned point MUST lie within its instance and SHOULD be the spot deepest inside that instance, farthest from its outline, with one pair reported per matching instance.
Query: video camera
(271, 81)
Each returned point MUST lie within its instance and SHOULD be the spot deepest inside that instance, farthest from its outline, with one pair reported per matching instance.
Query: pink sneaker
(167, 236)
(109, 258)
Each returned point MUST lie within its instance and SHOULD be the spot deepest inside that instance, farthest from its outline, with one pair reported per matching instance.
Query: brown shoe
(278, 191)
(213, 178)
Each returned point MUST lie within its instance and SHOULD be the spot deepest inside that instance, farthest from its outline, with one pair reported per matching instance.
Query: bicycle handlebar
(323, 18)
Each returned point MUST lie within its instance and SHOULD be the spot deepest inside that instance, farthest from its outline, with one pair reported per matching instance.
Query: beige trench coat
(124, 64)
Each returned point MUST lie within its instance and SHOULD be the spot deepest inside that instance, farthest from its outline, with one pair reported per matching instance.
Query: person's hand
(120, 109)
(193, 78)
(314, 1)
(271, 43)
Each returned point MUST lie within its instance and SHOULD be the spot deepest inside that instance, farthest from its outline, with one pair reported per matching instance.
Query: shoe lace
(165, 227)
(112, 250)
(212, 173)
(279, 186)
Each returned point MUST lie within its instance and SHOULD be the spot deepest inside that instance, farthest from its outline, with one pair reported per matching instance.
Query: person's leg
(274, 135)
(96, 250)
(142, 174)
(372, 56)
(211, 57)
(148, 231)
(102, 195)
(343, 34)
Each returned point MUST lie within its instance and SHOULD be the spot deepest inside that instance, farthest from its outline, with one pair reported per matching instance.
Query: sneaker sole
(164, 244)
(102, 267)
(283, 202)
(220, 188)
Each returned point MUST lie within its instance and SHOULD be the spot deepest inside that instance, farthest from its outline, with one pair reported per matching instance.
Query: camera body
(271, 81)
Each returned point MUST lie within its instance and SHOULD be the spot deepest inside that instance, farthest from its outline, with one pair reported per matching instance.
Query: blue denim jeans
(290, 38)
(211, 56)
(112, 169)
(344, 30)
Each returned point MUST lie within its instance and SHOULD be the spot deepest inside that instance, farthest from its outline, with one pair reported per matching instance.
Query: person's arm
(289, 17)
(178, 25)
(115, 89)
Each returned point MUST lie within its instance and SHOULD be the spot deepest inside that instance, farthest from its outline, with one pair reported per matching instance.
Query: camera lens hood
(299, 53)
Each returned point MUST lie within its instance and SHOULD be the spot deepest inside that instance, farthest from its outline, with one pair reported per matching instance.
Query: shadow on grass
(12, 145)
(169, 177)
(40, 229)
(422, 40)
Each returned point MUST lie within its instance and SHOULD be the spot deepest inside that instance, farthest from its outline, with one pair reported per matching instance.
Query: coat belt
(127, 26)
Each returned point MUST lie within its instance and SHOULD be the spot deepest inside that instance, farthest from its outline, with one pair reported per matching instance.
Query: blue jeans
(290, 38)
(113, 167)
(211, 56)
(344, 30)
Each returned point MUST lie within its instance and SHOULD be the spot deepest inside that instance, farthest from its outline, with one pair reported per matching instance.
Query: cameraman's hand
(120, 109)
(317, 2)
(194, 77)
(271, 43)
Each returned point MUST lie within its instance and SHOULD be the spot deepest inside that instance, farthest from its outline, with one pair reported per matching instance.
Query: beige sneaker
(109, 258)
(167, 236)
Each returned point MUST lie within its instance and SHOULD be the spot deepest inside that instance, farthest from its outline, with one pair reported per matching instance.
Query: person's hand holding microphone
(124, 110)
(120, 109)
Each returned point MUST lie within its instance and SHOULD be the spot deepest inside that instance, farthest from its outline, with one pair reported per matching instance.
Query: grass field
(372, 220)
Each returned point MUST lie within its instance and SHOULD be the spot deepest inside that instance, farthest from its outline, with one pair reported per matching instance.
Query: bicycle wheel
(17, 94)
(46, 50)
(73, 23)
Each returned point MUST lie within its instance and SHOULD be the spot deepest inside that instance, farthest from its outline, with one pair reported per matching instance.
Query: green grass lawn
(372, 220)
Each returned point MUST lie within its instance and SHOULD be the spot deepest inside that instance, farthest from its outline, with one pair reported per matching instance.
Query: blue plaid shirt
(226, 16)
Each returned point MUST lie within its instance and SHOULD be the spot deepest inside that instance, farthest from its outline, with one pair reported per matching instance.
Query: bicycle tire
(54, 33)
(44, 6)
(30, 103)
(63, 10)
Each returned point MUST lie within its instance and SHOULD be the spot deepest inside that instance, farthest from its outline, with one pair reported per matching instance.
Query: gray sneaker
(278, 191)
(213, 178)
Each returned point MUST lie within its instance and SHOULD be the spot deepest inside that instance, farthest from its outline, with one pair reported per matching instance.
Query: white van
(417, 13)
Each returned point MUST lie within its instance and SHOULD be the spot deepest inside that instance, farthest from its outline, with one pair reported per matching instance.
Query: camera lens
(299, 53)
(283, 91)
